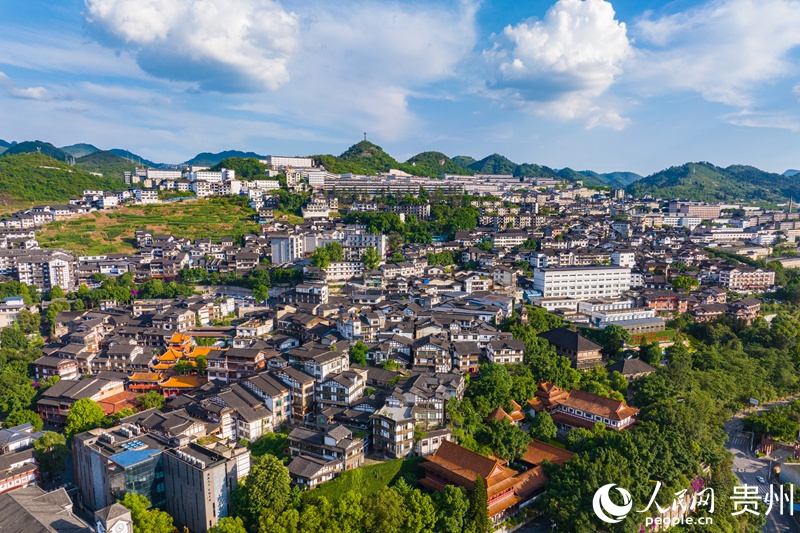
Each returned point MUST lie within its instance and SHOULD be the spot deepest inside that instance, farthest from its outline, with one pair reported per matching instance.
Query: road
(747, 467)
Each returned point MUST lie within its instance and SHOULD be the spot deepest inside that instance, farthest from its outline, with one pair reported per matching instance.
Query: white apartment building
(158, 174)
(214, 177)
(360, 239)
(287, 248)
(278, 161)
(146, 196)
(582, 283)
(623, 258)
(343, 270)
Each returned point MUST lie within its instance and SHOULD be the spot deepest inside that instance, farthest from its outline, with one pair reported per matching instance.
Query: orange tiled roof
(538, 451)
(184, 382)
(145, 376)
(179, 338)
(162, 366)
(598, 405)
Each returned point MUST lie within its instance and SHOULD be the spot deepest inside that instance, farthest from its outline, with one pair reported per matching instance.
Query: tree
(183, 367)
(201, 363)
(420, 514)
(685, 283)
(146, 520)
(267, 486)
(51, 315)
(261, 292)
(543, 428)
(84, 415)
(28, 322)
(504, 438)
(371, 258)
(229, 524)
(321, 258)
(152, 399)
(478, 515)
(56, 292)
(16, 391)
(452, 505)
(650, 352)
(13, 338)
(397, 257)
(614, 339)
(51, 452)
(358, 353)
(23, 416)
(384, 512)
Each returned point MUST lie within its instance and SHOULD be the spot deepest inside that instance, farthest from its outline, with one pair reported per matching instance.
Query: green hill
(5, 145)
(433, 164)
(361, 158)
(32, 177)
(464, 160)
(207, 159)
(493, 164)
(708, 183)
(30, 147)
(106, 163)
(139, 160)
(80, 150)
(530, 170)
(247, 168)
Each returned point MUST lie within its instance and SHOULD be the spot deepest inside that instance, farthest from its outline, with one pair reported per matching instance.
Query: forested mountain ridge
(33, 177)
(709, 183)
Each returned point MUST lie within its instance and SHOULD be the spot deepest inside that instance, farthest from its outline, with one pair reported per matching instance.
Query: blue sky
(635, 85)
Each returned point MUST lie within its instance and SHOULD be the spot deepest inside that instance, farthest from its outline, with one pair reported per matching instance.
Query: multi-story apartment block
(200, 481)
(505, 351)
(321, 455)
(393, 429)
(582, 283)
(340, 390)
(745, 278)
(286, 248)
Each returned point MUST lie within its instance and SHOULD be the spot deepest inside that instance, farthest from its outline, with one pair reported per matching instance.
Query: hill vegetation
(108, 164)
(32, 147)
(434, 164)
(103, 232)
(32, 177)
(709, 183)
(247, 168)
(80, 149)
(207, 159)
(139, 160)
(464, 160)
(493, 164)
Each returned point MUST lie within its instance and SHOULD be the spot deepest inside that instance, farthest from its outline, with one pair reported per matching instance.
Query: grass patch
(271, 443)
(369, 479)
(113, 231)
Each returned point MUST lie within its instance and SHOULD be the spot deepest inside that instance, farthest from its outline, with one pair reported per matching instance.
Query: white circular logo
(608, 511)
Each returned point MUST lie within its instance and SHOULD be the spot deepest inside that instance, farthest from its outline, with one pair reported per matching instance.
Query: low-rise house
(505, 351)
(581, 351)
(334, 449)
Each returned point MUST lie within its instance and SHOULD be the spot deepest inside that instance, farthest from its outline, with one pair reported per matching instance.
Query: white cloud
(753, 119)
(11, 89)
(565, 61)
(224, 45)
(724, 50)
(352, 63)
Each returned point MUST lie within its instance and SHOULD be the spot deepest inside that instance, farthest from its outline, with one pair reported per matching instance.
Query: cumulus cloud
(724, 49)
(355, 62)
(8, 87)
(222, 45)
(563, 62)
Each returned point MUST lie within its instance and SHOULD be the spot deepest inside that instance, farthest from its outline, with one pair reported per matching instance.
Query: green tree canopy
(84, 415)
(151, 399)
(371, 258)
(146, 520)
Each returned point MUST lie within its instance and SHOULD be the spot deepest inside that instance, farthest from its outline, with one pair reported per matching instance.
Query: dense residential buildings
(365, 357)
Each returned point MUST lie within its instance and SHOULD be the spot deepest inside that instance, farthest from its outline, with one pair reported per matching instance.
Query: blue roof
(130, 458)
